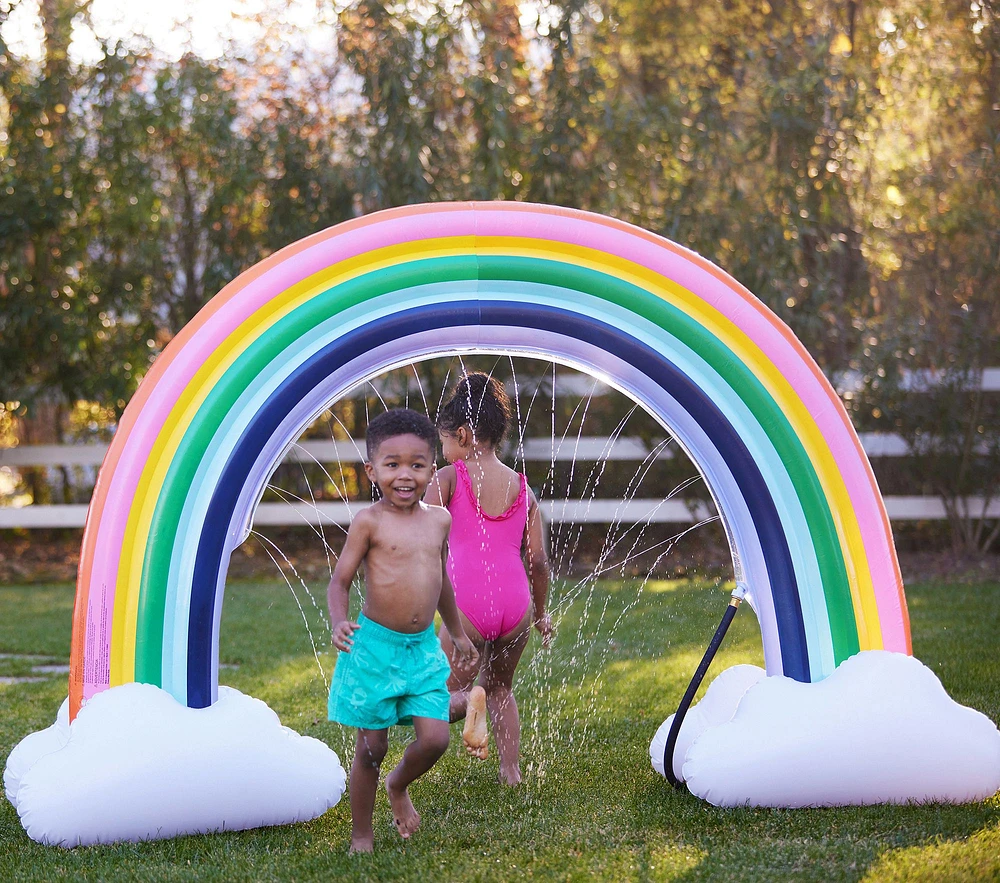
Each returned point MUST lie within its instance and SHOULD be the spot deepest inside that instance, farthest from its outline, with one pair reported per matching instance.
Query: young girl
(494, 514)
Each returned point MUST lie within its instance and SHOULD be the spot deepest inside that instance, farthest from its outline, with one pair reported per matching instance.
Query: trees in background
(840, 159)
(934, 253)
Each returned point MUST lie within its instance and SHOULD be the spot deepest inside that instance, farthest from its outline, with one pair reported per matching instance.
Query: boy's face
(402, 467)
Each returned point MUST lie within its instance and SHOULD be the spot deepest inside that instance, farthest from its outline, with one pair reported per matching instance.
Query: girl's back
(495, 486)
(484, 559)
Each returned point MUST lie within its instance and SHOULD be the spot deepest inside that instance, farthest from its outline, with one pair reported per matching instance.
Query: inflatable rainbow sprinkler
(212, 419)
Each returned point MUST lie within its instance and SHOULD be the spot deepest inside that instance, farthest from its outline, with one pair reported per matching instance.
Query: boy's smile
(402, 467)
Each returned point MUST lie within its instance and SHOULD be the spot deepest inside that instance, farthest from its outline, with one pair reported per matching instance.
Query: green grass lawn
(591, 807)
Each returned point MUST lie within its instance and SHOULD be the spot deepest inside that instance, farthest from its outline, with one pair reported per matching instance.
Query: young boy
(391, 668)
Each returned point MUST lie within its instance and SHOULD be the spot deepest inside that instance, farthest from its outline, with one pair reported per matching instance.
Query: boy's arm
(448, 609)
(537, 560)
(338, 592)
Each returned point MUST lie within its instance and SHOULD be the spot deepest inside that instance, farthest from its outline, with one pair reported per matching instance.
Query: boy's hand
(465, 650)
(342, 633)
(544, 625)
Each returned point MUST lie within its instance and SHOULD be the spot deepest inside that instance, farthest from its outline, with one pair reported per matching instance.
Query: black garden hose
(675, 726)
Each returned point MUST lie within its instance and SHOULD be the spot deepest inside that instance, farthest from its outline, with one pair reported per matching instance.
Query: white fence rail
(650, 511)
(588, 448)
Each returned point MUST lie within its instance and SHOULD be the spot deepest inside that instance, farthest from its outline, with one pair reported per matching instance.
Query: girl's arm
(338, 593)
(537, 561)
(441, 488)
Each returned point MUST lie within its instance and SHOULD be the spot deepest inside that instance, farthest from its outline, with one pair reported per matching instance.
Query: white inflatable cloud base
(32, 748)
(880, 729)
(137, 765)
(716, 707)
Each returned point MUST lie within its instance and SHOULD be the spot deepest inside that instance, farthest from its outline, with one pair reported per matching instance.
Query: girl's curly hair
(481, 403)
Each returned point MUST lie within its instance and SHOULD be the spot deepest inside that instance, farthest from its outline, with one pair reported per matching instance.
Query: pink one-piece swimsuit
(484, 559)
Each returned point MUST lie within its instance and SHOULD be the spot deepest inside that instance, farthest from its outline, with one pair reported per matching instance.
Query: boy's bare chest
(397, 545)
(404, 548)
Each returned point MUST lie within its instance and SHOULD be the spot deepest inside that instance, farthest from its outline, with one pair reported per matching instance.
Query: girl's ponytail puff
(481, 403)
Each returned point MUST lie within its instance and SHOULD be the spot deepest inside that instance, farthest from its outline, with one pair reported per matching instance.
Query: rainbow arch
(209, 423)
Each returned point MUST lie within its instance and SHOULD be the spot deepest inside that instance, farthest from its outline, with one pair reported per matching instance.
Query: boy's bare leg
(369, 752)
(498, 678)
(421, 754)
(463, 675)
(475, 735)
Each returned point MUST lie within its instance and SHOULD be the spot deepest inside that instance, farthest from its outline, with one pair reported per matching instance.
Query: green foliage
(950, 425)
(54, 311)
(134, 189)
(403, 135)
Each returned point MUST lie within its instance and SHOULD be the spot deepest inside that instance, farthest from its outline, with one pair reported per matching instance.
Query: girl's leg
(475, 733)
(369, 752)
(421, 754)
(497, 679)
(463, 675)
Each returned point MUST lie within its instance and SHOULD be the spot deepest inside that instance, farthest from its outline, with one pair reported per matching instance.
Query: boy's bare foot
(362, 844)
(474, 734)
(404, 814)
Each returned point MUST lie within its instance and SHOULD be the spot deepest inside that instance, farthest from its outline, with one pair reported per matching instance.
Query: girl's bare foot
(404, 814)
(362, 844)
(475, 735)
(512, 776)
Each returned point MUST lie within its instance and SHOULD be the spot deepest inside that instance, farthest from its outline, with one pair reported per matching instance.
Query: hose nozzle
(739, 593)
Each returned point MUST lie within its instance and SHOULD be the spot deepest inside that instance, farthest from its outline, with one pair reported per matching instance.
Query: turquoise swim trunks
(389, 678)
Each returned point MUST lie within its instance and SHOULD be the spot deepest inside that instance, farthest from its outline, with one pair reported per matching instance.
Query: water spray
(739, 593)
